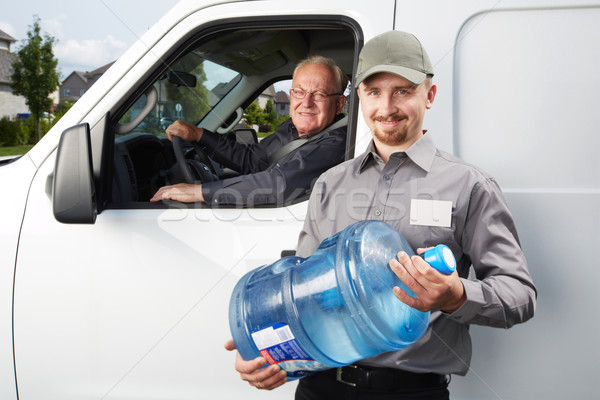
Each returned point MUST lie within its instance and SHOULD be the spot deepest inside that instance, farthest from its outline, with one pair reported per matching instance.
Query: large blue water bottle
(333, 308)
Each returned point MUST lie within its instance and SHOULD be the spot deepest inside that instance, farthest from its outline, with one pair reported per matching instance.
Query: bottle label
(278, 345)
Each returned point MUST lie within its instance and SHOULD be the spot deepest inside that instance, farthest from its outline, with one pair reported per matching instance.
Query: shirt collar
(422, 153)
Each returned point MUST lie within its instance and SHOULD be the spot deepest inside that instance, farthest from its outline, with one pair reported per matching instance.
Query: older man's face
(310, 116)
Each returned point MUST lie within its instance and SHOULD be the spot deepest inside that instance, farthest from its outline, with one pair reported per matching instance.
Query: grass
(14, 151)
(263, 135)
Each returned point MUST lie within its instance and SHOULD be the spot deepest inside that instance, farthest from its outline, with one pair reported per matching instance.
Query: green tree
(255, 114)
(8, 132)
(270, 112)
(34, 73)
(61, 109)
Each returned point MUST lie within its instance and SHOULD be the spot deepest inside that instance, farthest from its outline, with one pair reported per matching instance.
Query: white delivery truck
(104, 295)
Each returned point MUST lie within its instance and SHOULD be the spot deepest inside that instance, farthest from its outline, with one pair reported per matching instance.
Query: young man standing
(431, 197)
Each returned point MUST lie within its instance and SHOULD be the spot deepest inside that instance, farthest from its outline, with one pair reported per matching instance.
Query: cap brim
(411, 75)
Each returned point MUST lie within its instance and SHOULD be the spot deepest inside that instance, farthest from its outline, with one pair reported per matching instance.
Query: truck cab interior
(208, 81)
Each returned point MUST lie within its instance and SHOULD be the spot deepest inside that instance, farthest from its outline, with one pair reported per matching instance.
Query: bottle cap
(440, 258)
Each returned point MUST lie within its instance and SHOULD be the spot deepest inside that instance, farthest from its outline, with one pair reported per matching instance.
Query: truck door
(133, 303)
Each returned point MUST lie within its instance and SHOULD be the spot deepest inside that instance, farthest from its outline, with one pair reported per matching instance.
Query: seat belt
(302, 140)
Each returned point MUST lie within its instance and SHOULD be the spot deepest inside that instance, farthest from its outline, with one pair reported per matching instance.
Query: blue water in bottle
(333, 308)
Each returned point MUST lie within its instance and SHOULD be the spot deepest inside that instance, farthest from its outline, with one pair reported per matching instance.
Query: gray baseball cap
(396, 52)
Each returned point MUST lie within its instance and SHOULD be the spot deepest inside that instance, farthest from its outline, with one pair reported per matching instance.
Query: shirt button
(378, 213)
(386, 177)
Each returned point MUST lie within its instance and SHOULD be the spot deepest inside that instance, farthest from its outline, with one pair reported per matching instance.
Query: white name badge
(431, 213)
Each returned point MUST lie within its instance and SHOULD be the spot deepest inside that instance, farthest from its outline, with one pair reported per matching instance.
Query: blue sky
(90, 33)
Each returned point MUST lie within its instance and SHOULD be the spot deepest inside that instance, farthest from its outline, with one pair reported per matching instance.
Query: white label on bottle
(431, 213)
(278, 345)
(272, 336)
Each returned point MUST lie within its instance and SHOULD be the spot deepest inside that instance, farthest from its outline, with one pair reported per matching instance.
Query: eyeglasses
(316, 95)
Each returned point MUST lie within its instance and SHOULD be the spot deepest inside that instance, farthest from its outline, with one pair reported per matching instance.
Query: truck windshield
(191, 88)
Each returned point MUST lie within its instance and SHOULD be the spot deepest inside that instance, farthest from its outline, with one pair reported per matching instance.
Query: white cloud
(92, 53)
(54, 26)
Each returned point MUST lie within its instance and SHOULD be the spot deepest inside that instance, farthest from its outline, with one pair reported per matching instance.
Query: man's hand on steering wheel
(187, 132)
(179, 131)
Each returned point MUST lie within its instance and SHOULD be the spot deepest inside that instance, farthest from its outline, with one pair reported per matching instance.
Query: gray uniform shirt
(480, 232)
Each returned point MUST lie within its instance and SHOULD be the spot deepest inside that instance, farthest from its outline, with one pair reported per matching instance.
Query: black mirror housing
(73, 194)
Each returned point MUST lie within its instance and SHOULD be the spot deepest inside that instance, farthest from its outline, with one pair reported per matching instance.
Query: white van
(104, 295)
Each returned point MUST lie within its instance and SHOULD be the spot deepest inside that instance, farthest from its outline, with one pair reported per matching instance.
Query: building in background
(265, 96)
(10, 105)
(76, 84)
(282, 103)
(280, 100)
(13, 106)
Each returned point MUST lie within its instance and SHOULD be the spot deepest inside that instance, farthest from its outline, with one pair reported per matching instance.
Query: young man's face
(394, 108)
(308, 115)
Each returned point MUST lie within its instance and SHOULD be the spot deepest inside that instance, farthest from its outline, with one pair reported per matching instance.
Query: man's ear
(340, 103)
(431, 96)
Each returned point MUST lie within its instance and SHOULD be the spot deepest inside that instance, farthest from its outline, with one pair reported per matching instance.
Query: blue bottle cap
(440, 258)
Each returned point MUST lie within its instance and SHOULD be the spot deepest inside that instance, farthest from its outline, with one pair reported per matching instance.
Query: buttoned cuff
(472, 306)
(208, 192)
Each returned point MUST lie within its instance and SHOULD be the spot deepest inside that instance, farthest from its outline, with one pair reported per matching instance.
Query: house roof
(281, 97)
(88, 76)
(99, 71)
(269, 92)
(6, 37)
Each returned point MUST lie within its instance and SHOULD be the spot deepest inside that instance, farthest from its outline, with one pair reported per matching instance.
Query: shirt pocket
(429, 236)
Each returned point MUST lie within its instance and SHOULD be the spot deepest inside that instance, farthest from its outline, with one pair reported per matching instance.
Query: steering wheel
(203, 170)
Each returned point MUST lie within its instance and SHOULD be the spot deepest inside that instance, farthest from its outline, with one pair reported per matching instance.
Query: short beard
(391, 138)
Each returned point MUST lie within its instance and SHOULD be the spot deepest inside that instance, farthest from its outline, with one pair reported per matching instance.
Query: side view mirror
(73, 194)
